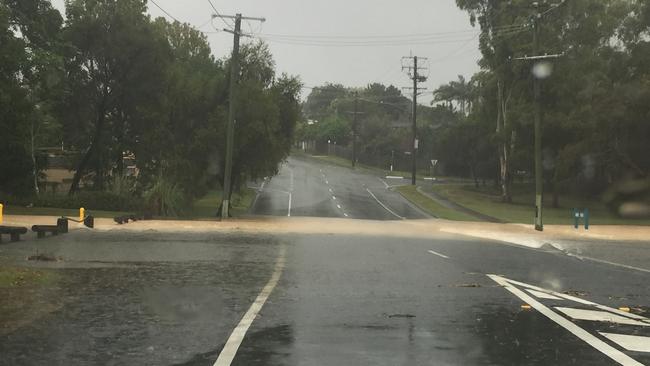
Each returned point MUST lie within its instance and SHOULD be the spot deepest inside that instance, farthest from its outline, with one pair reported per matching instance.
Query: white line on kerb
(384, 206)
(593, 341)
(438, 254)
(234, 341)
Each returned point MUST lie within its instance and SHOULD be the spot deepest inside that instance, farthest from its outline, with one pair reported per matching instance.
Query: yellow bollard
(82, 214)
(1, 208)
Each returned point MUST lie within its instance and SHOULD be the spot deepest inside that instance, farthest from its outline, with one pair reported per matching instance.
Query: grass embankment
(432, 207)
(206, 206)
(11, 277)
(486, 200)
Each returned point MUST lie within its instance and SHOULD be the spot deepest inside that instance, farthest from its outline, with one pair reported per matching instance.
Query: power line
(369, 37)
(164, 11)
(218, 15)
(361, 44)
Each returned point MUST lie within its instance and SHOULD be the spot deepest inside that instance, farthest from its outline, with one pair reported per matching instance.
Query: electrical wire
(228, 25)
(164, 11)
(360, 43)
(323, 37)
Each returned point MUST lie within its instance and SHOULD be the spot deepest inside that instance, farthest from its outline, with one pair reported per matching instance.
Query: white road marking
(394, 177)
(629, 342)
(543, 295)
(331, 191)
(429, 178)
(589, 338)
(229, 350)
(291, 183)
(582, 301)
(326, 181)
(289, 209)
(338, 206)
(384, 206)
(334, 197)
(610, 263)
(383, 181)
(346, 215)
(438, 254)
(599, 316)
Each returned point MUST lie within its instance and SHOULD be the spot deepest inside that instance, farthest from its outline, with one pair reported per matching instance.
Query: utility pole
(538, 75)
(354, 128)
(232, 105)
(413, 71)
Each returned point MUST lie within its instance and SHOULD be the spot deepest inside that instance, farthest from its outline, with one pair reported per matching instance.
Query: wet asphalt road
(306, 187)
(151, 298)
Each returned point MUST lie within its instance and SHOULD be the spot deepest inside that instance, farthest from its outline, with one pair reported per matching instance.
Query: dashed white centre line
(346, 215)
(438, 254)
(326, 181)
(334, 197)
(338, 206)
(331, 191)
(234, 341)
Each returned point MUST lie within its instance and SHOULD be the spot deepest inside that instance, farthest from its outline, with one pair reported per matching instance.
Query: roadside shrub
(92, 200)
(165, 199)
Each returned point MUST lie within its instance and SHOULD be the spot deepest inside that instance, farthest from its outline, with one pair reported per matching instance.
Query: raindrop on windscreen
(542, 69)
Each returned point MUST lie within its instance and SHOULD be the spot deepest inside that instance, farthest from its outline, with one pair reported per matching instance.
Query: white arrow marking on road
(438, 254)
(565, 323)
(229, 350)
(629, 342)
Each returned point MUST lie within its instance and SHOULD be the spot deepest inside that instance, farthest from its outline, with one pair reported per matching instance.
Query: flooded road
(178, 299)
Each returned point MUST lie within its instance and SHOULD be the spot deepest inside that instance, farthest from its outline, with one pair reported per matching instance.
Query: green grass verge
(11, 277)
(487, 201)
(206, 206)
(53, 211)
(432, 207)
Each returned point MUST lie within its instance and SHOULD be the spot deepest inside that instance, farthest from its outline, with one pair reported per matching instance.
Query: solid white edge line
(608, 262)
(587, 337)
(438, 254)
(384, 206)
(229, 350)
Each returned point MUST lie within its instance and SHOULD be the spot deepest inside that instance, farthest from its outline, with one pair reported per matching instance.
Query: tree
(115, 64)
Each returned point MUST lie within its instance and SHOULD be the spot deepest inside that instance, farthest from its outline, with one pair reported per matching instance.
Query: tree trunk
(83, 164)
(503, 149)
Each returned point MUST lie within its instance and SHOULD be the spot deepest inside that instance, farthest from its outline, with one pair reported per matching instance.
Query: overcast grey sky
(443, 31)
